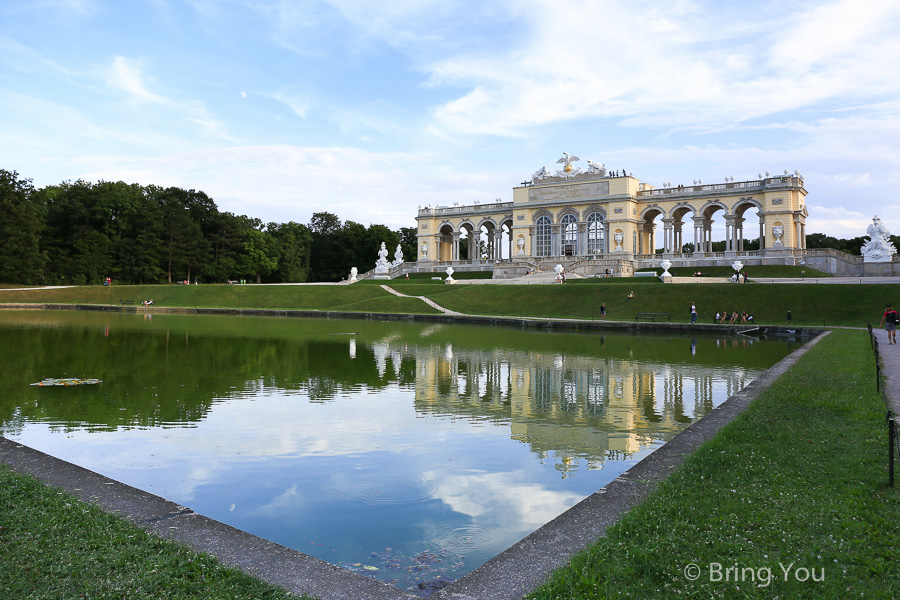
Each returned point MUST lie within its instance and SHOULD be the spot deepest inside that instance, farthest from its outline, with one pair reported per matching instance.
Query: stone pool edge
(508, 576)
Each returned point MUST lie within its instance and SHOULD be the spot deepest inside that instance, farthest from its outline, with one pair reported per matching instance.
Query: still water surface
(405, 451)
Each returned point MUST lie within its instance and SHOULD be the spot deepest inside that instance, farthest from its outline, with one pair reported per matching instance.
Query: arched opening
(748, 233)
(647, 241)
(596, 234)
(488, 240)
(569, 228)
(506, 248)
(465, 241)
(445, 243)
(679, 224)
(709, 238)
(542, 236)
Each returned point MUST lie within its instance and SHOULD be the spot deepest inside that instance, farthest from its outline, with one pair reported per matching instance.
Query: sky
(280, 108)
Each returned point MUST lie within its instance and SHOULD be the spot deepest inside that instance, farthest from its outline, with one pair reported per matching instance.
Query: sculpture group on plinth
(353, 273)
(398, 256)
(382, 265)
(879, 248)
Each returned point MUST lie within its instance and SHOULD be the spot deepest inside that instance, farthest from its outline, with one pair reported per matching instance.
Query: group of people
(740, 278)
(735, 317)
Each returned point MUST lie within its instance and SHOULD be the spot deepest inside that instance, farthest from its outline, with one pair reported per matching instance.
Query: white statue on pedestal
(398, 256)
(353, 273)
(619, 237)
(449, 272)
(879, 248)
(521, 244)
(424, 250)
(382, 265)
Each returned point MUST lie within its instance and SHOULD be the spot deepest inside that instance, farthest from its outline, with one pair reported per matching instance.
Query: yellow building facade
(597, 221)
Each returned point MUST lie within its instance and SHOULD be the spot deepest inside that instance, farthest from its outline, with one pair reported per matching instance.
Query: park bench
(653, 317)
(124, 302)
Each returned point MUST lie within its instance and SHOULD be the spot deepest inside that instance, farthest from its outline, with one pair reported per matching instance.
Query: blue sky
(278, 109)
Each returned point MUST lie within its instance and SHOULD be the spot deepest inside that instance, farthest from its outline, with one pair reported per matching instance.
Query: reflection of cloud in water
(288, 502)
(506, 499)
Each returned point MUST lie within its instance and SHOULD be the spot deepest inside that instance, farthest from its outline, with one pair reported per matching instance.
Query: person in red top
(890, 320)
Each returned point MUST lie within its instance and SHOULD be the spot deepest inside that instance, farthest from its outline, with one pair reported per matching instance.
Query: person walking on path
(889, 319)
(693, 313)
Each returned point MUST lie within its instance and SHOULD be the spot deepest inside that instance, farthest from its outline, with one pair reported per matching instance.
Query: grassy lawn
(54, 546)
(350, 298)
(810, 304)
(798, 479)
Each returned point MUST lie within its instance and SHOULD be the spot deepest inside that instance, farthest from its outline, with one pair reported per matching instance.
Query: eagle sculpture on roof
(567, 159)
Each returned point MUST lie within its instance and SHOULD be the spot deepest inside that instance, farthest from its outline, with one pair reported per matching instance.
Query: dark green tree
(408, 243)
(327, 258)
(293, 242)
(21, 226)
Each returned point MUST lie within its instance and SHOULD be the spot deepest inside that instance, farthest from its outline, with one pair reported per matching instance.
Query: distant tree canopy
(82, 233)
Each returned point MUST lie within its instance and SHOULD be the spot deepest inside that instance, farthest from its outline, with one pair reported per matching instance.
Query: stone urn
(666, 265)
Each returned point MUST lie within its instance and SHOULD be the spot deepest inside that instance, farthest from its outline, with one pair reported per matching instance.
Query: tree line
(81, 233)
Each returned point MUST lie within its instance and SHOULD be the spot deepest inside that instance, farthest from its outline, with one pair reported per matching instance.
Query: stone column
(475, 245)
(698, 228)
(731, 233)
(668, 236)
(454, 248)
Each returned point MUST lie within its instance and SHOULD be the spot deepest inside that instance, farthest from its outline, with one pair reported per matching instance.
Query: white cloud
(284, 183)
(695, 69)
(126, 75)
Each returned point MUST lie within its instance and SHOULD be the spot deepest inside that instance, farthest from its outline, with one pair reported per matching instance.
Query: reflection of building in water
(571, 407)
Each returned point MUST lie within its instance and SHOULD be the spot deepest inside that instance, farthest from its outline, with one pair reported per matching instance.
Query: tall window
(595, 233)
(542, 236)
(569, 234)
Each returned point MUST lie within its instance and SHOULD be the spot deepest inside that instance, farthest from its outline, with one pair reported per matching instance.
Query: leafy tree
(293, 247)
(324, 223)
(21, 227)
(186, 248)
(260, 256)
(328, 257)
(409, 244)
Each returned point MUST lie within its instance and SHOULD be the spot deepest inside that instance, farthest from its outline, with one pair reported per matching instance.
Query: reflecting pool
(405, 451)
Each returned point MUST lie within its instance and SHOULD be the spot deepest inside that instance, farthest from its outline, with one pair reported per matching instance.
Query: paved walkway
(427, 301)
(890, 367)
